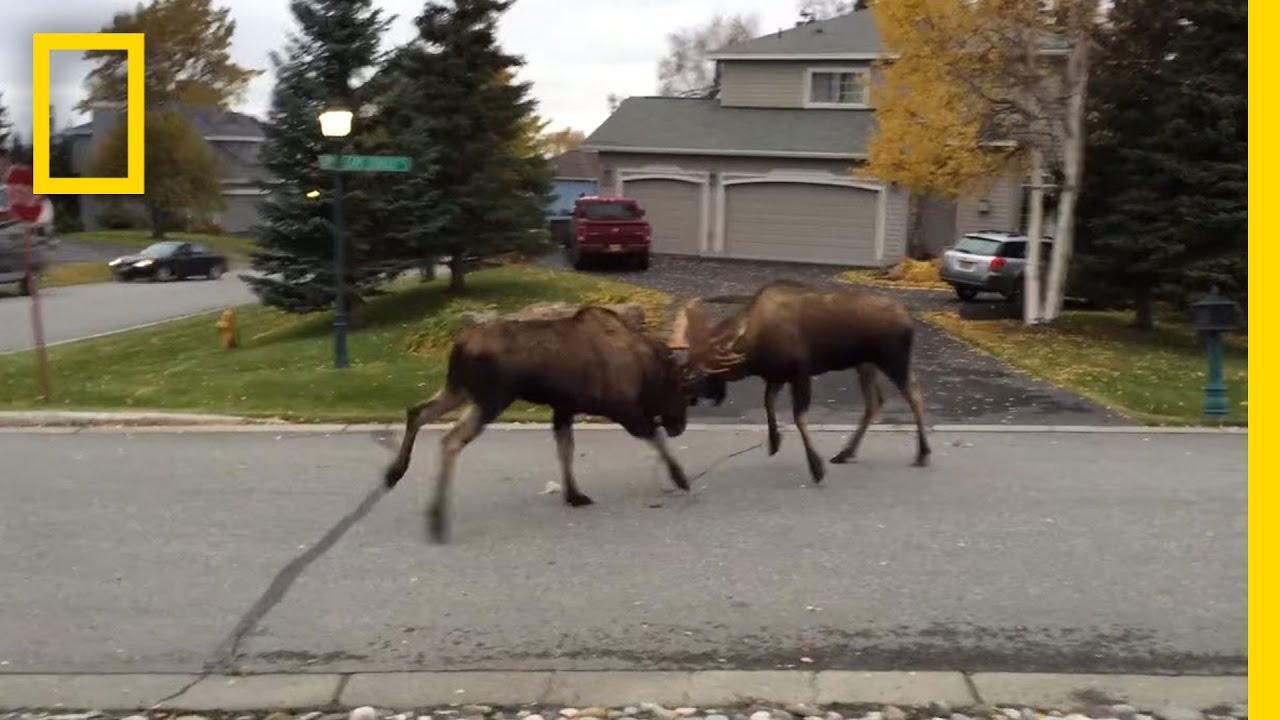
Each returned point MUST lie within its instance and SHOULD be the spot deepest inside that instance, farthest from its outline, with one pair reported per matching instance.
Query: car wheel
(216, 271)
(164, 274)
(576, 257)
(966, 293)
(642, 262)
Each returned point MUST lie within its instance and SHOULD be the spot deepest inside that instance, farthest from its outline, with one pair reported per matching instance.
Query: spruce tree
(337, 39)
(455, 87)
(1163, 213)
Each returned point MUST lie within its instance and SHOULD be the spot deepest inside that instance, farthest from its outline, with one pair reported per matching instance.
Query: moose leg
(659, 442)
(562, 426)
(872, 401)
(415, 417)
(801, 395)
(771, 390)
(463, 432)
(912, 393)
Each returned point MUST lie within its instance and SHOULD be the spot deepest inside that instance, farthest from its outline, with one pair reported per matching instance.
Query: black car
(170, 260)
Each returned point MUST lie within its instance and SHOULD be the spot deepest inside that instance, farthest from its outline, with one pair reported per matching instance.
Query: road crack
(224, 655)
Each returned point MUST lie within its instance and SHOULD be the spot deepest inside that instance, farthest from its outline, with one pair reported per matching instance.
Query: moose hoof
(775, 442)
(437, 532)
(816, 469)
(843, 459)
(922, 461)
(393, 475)
(579, 500)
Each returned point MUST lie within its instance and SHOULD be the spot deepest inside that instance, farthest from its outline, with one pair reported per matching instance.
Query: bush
(116, 215)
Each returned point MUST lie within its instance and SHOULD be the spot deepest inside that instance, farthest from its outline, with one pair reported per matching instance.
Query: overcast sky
(576, 52)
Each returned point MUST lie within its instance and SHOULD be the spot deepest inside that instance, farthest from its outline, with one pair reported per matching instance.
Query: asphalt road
(1013, 551)
(79, 311)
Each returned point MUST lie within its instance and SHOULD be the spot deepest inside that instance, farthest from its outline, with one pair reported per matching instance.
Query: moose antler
(725, 357)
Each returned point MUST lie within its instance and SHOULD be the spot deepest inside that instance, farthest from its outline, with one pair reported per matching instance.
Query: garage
(802, 222)
(674, 209)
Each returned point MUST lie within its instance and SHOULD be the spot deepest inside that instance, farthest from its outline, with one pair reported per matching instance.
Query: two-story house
(234, 137)
(764, 170)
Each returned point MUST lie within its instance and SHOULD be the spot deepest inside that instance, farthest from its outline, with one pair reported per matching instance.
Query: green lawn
(1153, 377)
(236, 248)
(284, 365)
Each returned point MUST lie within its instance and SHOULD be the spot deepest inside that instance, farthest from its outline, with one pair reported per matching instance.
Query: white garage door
(674, 210)
(801, 222)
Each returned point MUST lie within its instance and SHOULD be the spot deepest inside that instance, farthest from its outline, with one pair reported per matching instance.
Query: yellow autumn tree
(966, 81)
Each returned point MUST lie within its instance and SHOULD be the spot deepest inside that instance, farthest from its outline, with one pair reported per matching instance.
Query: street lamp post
(336, 123)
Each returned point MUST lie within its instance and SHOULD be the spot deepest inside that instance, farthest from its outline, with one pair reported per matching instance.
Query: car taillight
(997, 263)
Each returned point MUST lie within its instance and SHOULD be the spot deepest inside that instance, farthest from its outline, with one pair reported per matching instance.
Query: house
(576, 174)
(763, 169)
(235, 138)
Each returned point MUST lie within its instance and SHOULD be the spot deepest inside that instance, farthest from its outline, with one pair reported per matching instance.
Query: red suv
(608, 226)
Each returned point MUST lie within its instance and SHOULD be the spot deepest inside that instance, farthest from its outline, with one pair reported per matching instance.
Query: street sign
(367, 163)
(22, 203)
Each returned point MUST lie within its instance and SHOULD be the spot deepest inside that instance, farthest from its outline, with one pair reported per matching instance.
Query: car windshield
(609, 211)
(978, 245)
(161, 249)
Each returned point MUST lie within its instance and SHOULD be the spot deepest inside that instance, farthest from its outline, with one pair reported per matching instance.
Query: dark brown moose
(591, 363)
(789, 332)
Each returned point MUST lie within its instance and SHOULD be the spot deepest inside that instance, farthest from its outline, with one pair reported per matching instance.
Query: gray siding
(241, 213)
(1004, 196)
(772, 83)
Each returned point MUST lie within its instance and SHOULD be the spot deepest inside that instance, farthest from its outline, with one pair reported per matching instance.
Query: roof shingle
(694, 125)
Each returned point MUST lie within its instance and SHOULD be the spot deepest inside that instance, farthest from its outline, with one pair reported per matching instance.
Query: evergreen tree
(6, 125)
(338, 39)
(1165, 202)
(454, 89)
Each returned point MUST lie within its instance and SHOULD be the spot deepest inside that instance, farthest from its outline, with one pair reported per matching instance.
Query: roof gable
(580, 164)
(852, 33)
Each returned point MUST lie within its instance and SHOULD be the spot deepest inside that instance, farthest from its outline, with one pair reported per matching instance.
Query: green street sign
(367, 163)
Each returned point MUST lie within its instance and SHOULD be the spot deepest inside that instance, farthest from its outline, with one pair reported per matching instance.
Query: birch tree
(964, 76)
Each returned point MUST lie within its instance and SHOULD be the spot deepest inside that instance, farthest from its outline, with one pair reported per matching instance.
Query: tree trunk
(427, 272)
(1035, 232)
(1144, 311)
(457, 273)
(1073, 161)
(157, 223)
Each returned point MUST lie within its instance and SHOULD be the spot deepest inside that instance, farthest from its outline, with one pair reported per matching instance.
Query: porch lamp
(335, 122)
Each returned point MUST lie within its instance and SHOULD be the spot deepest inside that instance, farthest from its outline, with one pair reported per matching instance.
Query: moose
(787, 333)
(591, 362)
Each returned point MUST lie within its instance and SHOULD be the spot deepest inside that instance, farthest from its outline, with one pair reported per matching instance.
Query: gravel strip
(651, 711)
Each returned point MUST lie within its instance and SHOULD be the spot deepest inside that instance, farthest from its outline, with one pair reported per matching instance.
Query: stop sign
(23, 204)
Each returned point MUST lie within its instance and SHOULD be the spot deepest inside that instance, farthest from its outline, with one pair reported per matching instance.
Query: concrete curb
(71, 422)
(403, 690)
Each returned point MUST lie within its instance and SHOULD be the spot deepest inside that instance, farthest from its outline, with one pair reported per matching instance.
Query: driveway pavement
(79, 311)
(960, 384)
(271, 551)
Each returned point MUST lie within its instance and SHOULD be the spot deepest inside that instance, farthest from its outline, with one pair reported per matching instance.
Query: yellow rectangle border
(133, 45)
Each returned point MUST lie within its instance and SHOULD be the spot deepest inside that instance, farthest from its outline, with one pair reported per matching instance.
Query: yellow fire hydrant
(227, 331)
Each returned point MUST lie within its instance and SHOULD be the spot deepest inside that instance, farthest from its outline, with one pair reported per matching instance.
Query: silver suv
(989, 262)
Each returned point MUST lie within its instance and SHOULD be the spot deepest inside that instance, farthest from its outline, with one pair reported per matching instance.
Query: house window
(837, 87)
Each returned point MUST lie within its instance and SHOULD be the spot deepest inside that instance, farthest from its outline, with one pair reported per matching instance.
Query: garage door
(801, 222)
(673, 209)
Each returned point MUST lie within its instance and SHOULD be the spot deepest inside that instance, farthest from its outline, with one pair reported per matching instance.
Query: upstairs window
(837, 88)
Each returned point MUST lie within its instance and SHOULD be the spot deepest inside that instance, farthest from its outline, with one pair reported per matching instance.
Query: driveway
(80, 311)
(960, 384)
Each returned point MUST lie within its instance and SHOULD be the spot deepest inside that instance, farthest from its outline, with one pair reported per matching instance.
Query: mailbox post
(1213, 316)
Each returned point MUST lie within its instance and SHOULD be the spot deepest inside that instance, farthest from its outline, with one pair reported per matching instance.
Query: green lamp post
(1213, 316)
(335, 123)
